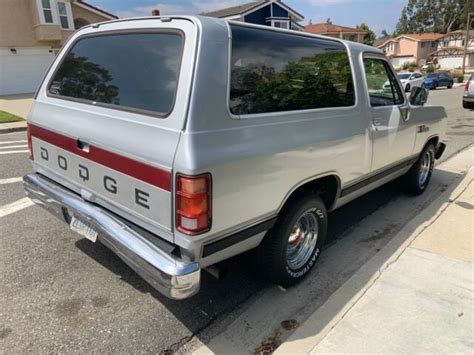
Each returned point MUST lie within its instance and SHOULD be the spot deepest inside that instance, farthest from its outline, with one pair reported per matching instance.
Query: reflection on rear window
(137, 71)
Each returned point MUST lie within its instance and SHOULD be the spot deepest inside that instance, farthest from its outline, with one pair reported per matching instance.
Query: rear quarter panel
(432, 117)
(256, 162)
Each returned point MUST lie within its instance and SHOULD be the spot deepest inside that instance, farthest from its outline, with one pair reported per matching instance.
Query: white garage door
(22, 72)
(451, 62)
(398, 62)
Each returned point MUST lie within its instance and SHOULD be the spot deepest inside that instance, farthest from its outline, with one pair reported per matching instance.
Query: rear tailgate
(107, 119)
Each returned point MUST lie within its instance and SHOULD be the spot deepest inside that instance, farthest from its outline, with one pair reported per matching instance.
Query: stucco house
(273, 13)
(450, 50)
(32, 32)
(337, 31)
(410, 48)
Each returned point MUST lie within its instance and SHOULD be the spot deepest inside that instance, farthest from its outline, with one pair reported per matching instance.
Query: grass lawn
(9, 117)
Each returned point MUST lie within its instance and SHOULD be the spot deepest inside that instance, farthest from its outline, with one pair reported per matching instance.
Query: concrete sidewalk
(421, 300)
(19, 105)
(12, 127)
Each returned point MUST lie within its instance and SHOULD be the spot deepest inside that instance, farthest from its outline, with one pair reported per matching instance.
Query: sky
(378, 14)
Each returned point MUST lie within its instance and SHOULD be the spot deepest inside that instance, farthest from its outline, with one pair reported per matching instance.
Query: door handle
(377, 122)
(84, 146)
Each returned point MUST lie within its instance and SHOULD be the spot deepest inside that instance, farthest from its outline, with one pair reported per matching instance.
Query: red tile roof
(422, 36)
(321, 28)
(97, 9)
(380, 41)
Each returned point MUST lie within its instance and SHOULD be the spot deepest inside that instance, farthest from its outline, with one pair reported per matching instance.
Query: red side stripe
(130, 167)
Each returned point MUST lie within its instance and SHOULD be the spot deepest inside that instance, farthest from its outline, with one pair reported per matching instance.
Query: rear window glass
(273, 71)
(133, 71)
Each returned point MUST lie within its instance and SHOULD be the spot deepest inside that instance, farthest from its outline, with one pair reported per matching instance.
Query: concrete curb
(303, 340)
(12, 127)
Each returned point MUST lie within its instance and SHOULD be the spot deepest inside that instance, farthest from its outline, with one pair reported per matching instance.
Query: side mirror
(418, 96)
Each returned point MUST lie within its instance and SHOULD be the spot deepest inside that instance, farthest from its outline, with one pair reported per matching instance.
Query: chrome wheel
(425, 168)
(302, 240)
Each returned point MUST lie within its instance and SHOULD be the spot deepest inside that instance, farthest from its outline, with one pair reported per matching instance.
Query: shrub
(405, 65)
(458, 78)
(430, 69)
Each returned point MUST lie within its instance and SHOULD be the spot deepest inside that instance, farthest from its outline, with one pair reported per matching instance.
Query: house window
(57, 12)
(445, 43)
(463, 43)
(352, 38)
(433, 44)
(423, 44)
(280, 24)
(63, 16)
(47, 11)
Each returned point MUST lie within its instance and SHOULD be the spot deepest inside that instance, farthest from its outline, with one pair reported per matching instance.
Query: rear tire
(290, 249)
(450, 85)
(418, 177)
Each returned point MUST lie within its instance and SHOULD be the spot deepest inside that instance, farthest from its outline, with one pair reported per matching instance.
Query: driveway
(17, 104)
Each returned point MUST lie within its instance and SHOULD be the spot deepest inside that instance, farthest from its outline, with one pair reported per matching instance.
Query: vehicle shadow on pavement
(357, 232)
(444, 182)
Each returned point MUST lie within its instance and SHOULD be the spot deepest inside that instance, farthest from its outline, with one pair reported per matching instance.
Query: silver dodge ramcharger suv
(178, 142)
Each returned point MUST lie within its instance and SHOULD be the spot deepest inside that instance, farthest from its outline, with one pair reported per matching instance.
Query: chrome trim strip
(171, 276)
(378, 175)
(221, 244)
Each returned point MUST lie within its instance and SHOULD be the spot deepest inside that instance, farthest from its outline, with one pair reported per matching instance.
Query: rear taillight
(30, 144)
(193, 203)
(466, 87)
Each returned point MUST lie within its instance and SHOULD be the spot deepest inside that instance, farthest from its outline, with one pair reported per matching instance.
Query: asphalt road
(61, 293)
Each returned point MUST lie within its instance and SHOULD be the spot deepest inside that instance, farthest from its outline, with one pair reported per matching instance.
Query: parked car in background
(411, 80)
(436, 80)
(468, 97)
(178, 159)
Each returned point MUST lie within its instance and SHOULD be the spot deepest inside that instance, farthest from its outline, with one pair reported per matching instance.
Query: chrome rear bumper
(171, 276)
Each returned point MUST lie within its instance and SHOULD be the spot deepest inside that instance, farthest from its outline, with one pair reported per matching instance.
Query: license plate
(83, 229)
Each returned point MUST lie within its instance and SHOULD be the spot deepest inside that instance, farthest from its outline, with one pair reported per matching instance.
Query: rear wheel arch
(327, 187)
(433, 140)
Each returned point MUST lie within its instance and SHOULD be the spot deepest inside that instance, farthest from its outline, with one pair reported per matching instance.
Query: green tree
(369, 37)
(442, 16)
(466, 9)
(81, 78)
(404, 24)
(384, 34)
(322, 80)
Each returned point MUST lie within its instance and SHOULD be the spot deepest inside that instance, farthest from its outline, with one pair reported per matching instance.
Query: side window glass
(382, 85)
(274, 72)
